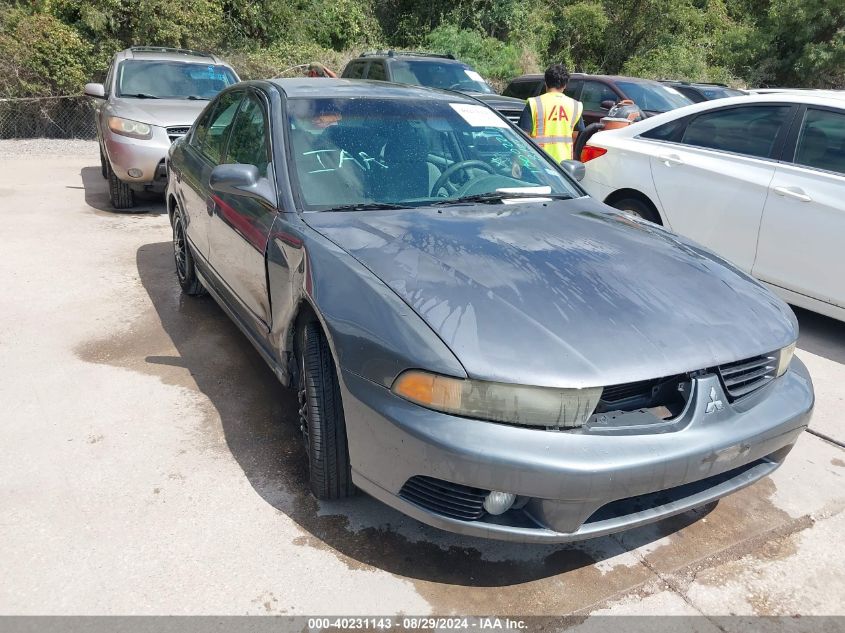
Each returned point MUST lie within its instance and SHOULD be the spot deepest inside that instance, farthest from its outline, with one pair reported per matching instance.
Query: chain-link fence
(47, 117)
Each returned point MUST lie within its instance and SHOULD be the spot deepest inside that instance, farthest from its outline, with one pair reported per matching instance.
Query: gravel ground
(152, 463)
(47, 147)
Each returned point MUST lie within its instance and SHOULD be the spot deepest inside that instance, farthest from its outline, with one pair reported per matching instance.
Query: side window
(355, 70)
(750, 130)
(822, 141)
(377, 71)
(214, 135)
(668, 131)
(573, 89)
(248, 141)
(594, 93)
(520, 89)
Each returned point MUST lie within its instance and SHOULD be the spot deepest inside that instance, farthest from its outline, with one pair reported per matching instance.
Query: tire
(104, 167)
(120, 194)
(186, 272)
(321, 418)
(637, 207)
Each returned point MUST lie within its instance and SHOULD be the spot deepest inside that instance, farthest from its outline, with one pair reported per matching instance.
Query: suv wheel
(120, 194)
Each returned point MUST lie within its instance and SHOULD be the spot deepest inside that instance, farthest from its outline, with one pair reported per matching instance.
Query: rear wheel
(120, 194)
(322, 423)
(186, 273)
(637, 207)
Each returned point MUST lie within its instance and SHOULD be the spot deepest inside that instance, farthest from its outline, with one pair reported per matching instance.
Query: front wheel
(104, 166)
(120, 194)
(637, 207)
(186, 272)
(321, 418)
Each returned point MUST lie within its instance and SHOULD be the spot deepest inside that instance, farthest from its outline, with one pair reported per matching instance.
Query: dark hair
(556, 76)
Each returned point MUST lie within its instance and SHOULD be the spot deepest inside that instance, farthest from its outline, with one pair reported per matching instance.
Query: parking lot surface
(152, 465)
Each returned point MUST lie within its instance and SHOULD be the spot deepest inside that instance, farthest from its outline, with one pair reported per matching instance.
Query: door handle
(793, 192)
(210, 205)
(671, 159)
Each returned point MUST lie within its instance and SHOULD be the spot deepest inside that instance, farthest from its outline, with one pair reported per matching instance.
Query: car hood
(499, 102)
(566, 293)
(160, 112)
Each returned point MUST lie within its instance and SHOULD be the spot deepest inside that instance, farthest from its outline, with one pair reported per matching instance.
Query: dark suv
(433, 71)
(699, 92)
(599, 93)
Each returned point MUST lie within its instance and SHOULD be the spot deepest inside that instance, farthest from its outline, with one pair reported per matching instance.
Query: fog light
(135, 173)
(499, 502)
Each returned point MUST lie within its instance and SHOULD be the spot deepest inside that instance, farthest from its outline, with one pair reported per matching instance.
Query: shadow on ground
(821, 335)
(258, 419)
(97, 196)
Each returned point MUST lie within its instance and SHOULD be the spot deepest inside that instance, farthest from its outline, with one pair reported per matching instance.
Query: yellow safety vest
(554, 116)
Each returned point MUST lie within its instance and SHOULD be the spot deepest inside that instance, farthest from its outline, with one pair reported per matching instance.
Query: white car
(759, 179)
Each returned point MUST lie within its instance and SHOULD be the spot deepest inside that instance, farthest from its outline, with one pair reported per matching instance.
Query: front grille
(668, 394)
(743, 377)
(615, 393)
(455, 501)
(174, 133)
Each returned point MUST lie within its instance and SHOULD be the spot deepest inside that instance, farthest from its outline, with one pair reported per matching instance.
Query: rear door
(713, 180)
(202, 154)
(240, 225)
(803, 228)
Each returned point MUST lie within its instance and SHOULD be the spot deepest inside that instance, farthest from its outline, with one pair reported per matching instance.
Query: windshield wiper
(366, 206)
(196, 98)
(139, 95)
(498, 196)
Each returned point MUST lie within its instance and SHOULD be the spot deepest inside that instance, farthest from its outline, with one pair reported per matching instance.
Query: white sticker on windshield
(478, 115)
(473, 75)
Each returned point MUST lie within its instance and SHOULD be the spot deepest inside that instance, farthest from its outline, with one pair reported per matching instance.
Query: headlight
(500, 402)
(784, 358)
(128, 127)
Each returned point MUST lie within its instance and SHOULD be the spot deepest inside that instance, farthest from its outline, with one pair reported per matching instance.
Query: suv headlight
(784, 358)
(128, 127)
(500, 402)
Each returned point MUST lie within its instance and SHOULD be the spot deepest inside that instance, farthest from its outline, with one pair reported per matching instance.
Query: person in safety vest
(552, 118)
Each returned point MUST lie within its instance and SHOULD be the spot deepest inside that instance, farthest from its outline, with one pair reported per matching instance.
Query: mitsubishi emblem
(715, 404)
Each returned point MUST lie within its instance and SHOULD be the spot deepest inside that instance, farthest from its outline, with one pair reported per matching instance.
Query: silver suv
(150, 98)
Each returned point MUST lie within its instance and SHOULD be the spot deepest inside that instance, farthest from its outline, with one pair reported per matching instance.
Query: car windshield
(654, 97)
(371, 152)
(437, 74)
(718, 92)
(145, 79)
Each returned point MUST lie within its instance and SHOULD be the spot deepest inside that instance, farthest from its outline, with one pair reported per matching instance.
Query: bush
(490, 57)
(40, 56)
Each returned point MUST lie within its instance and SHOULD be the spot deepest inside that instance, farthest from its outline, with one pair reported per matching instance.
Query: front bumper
(580, 484)
(146, 155)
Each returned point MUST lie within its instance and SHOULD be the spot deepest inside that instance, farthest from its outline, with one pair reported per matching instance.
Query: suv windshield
(438, 74)
(371, 152)
(654, 97)
(171, 80)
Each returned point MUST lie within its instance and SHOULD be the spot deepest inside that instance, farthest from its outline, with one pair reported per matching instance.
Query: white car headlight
(128, 127)
(784, 358)
(543, 407)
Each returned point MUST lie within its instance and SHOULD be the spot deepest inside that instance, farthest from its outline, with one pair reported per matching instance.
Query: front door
(240, 225)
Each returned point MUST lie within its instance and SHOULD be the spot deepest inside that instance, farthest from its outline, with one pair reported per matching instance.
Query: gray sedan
(474, 340)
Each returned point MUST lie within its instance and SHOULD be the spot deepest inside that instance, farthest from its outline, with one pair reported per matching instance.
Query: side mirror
(242, 180)
(574, 168)
(95, 90)
(607, 104)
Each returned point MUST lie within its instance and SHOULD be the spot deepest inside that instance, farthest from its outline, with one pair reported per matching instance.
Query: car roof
(446, 58)
(537, 76)
(317, 87)
(164, 53)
